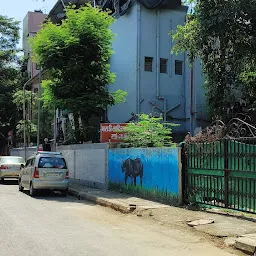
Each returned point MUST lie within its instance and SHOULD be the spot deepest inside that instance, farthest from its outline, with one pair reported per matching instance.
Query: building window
(178, 67)
(163, 65)
(148, 66)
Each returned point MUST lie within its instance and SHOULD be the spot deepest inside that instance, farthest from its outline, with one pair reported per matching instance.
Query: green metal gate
(221, 173)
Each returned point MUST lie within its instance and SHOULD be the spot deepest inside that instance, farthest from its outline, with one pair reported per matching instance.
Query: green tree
(222, 35)
(9, 75)
(9, 36)
(149, 131)
(76, 57)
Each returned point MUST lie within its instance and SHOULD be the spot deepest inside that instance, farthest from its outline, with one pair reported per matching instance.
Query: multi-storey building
(156, 81)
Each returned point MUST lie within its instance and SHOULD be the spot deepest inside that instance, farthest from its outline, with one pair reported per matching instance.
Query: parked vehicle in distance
(10, 167)
(44, 171)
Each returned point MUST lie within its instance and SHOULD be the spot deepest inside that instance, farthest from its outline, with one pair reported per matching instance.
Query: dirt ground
(173, 221)
(221, 233)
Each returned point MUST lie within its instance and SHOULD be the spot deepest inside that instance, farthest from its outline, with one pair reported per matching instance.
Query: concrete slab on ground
(228, 227)
(200, 222)
(246, 243)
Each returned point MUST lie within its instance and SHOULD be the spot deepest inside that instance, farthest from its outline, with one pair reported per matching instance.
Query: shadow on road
(48, 195)
(9, 182)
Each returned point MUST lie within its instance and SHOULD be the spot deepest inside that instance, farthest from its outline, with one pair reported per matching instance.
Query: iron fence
(221, 173)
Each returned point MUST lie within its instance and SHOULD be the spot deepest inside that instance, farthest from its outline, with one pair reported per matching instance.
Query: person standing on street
(46, 145)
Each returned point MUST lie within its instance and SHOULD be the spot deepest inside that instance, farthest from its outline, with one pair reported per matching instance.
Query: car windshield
(52, 162)
(12, 160)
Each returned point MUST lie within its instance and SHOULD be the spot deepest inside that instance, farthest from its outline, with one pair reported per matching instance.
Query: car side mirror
(22, 166)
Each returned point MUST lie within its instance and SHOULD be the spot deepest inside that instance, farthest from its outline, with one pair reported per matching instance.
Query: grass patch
(162, 196)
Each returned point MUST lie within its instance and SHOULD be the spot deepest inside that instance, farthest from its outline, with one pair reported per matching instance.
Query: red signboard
(112, 132)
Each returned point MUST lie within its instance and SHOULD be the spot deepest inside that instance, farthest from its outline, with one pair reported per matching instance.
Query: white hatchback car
(10, 167)
(45, 171)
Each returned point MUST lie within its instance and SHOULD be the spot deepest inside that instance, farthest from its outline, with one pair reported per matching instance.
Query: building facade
(156, 81)
(31, 24)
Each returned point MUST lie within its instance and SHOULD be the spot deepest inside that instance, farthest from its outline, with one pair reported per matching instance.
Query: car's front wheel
(2, 180)
(32, 191)
(20, 186)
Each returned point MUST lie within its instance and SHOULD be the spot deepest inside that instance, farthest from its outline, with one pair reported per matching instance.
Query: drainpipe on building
(158, 65)
(184, 87)
(157, 53)
(138, 56)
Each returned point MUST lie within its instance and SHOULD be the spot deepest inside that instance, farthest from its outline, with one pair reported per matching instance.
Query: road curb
(99, 200)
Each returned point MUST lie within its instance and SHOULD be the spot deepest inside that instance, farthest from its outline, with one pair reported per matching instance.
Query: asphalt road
(51, 225)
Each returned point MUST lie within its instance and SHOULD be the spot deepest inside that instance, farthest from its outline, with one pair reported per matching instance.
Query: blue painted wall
(136, 37)
(160, 167)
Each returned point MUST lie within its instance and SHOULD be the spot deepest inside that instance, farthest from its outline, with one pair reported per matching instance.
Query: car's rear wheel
(2, 180)
(20, 186)
(32, 191)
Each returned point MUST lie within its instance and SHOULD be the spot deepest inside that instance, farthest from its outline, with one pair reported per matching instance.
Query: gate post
(182, 169)
(226, 171)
